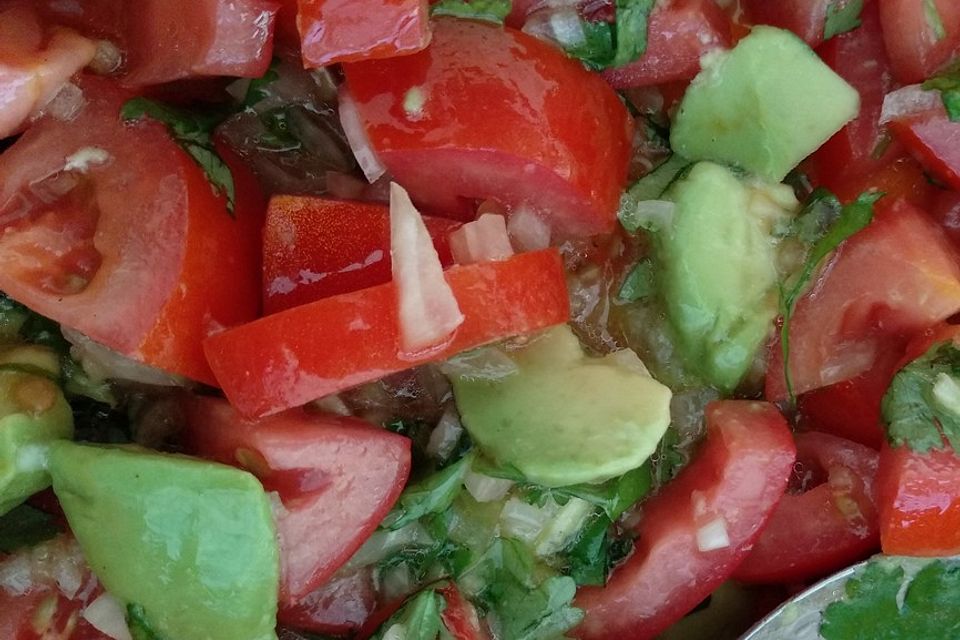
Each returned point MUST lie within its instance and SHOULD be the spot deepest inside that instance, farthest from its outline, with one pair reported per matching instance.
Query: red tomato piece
(173, 40)
(486, 112)
(920, 40)
(113, 231)
(95, 18)
(903, 178)
(317, 349)
(894, 278)
(314, 248)
(806, 18)
(828, 523)
(460, 617)
(19, 615)
(338, 608)
(946, 211)
(919, 502)
(337, 478)
(934, 141)
(351, 30)
(737, 477)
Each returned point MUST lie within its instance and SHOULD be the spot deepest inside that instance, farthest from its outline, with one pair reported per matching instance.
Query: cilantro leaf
(948, 84)
(489, 10)
(419, 618)
(614, 45)
(614, 496)
(587, 557)
(25, 526)
(842, 16)
(883, 603)
(140, 628)
(825, 236)
(922, 405)
(194, 133)
(668, 459)
(639, 283)
(434, 494)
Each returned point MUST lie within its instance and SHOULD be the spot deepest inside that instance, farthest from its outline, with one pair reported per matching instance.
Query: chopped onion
(713, 535)
(103, 363)
(106, 615)
(483, 240)
(907, 101)
(561, 25)
(428, 312)
(653, 215)
(107, 59)
(334, 405)
(445, 436)
(484, 363)
(563, 527)
(357, 137)
(946, 392)
(528, 230)
(524, 521)
(486, 488)
(67, 104)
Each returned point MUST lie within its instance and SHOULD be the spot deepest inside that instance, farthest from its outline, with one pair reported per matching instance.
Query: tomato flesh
(339, 607)
(917, 46)
(492, 113)
(826, 527)
(935, 141)
(738, 476)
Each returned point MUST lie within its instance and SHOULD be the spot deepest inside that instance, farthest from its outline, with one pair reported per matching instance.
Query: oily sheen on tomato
(317, 247)
(921, 37)
(491, 113)
(697, 530)
(113, 231)
(826, 521)
(337, 478)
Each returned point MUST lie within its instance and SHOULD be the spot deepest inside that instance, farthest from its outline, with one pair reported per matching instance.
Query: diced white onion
(357, 137)
(654, 214)
(334, 405)
(445, 436)
(428, 312)
(563, 527)
(485, 488)
(483, 240)
(524, 521)
(103, 363)
(108, 59)
(16, 575)
(67, 104)
(106, 615)
(907, 101)
(561, 25)
(713, 535)
(485, 363)
(946, 392)
(848, 361)
(528, 230)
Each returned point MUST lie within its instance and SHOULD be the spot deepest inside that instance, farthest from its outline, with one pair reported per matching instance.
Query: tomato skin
(825, 528)
(504, 116)
(806, 18)
(350, 30)
(280, 361)
(915, 51)
(17, 613)
(314, 248)
(136, 253)
(339, 607)
(337, 477)
(168, 41)
(919, 502)
(900, 179)
(893, 279)
(933, 139)
(740, 474)
(680, 33)
(460, 617)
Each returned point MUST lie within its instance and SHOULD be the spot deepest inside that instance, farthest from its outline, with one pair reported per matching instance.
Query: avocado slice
(764, 106)
(565, 417)
(33, 413)
(718, 269)
(189, 543)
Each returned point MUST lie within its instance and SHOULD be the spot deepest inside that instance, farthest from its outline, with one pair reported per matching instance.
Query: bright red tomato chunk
(921, 36)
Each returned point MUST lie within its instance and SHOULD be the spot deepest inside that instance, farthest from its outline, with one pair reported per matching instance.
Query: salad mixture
(477, 320)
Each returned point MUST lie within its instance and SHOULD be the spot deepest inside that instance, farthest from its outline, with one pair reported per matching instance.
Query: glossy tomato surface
(737, 478)
(492, 113)
(921, 37)
(113, 231)
(935, 141)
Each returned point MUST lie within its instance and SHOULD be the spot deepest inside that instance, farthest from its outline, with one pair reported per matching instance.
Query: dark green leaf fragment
(614, 45)
(639, 284)
(489, 10)
(140, 628)
(842, 16)
(588, 558)
(884, 603)
(922, 406)
(668, 459)
(650, 187)
(25, 526)
(948, 84)
(433, 494)
(419, 616)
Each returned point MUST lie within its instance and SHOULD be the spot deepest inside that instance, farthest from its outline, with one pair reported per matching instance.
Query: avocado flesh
(718, 274)
(191, 542)
(764, 106)
(33, 413)
(565, 417)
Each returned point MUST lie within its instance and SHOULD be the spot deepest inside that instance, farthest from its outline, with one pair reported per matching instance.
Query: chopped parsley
(419, 618)
(639, 283)
(948, 84)
(614, 45)
(140, 628)
(433, 494)
(489, 10)
(842, 16)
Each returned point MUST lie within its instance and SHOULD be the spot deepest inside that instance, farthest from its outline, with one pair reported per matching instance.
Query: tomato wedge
(920, 36)
(679, 34)
(894, 278)
(491, 113)
(314, 248)
(935, 141)
(350, 30)
(827, 522)
(337, 478)
(173, 40)
(290, 358)
(112, 230)
(460, 616)
(340, 607)
(735, 481)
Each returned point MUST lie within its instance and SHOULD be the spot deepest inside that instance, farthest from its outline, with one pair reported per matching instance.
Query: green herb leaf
(194, 133)
(489, 10)
(934, 19)
(419, 617)
(434, 494)
(588, 556)
(922, 405)
(614, 45)
(259, 88)
(842, 16)
(25, 526)
(614, 496)
(883, 603)
(948, 84)
(140, 628)
(668, 459)
(650, 187)
(852, 218)
(639, 283)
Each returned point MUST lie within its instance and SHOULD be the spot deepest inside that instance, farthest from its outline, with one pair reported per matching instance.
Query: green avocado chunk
(565, 417)
(33, 413)
(718, 269)
(192, 544)
(764, 106)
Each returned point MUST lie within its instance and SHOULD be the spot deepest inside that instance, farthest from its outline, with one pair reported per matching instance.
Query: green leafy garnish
(668, 459)
(614, 45)
(259, 88)
(419, 617)
(814, 226)
(639, 283)
(25, 526)
(594, 553)
(884, 603)
(193, 131)
(433, 494)
(948, 84)
(842, 16)
(650, 187)
(140, 628)
(922, 406)
(489, 10)
(934, 19)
